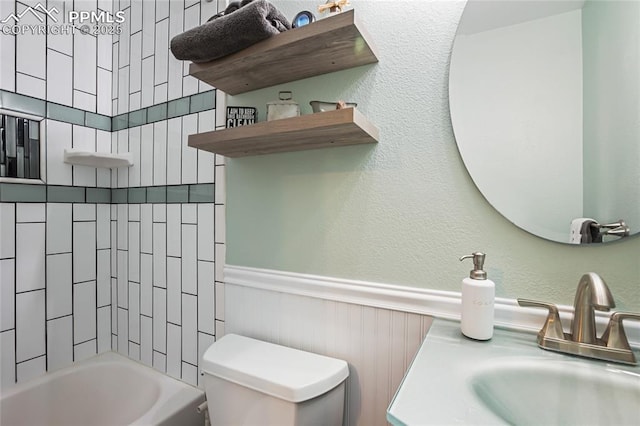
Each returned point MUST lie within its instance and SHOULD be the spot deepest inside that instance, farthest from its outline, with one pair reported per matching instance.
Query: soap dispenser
(478, 294)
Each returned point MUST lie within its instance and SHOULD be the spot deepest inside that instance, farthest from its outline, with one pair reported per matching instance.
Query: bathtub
(105, 390)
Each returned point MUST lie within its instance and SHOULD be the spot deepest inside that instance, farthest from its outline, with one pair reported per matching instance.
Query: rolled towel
(230, 33)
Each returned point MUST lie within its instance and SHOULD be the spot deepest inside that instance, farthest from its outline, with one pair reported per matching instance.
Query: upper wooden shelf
(331, 44)
(320, 130)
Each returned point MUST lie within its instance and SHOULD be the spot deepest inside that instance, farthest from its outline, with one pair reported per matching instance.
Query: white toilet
(250, 382)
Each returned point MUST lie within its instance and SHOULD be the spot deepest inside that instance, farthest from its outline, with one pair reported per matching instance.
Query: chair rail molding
(436, 303)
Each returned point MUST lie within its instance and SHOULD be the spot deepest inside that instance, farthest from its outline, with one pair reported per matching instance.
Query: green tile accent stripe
(203, 101)
(97, 121)
(66, 194)
(120, 122)
(119, 196)
(27, 104)
(137, 196)
(178, 194)
(202, 193)
(138, 118)
(28, 193)
(22, 103)
(99, 195)
(176, 108)
(22, 193)
(65, 113)
(157, 113)
(156, 194)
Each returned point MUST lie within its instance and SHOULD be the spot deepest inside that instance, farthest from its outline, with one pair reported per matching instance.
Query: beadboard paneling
(378, 343)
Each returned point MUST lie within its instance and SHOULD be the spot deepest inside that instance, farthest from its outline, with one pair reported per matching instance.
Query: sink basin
(534, 391)
(509, 380)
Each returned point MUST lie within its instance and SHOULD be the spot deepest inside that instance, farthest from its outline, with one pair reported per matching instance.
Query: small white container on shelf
(285, 107)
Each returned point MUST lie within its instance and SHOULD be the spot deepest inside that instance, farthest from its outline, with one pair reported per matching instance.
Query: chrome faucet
(592, 294)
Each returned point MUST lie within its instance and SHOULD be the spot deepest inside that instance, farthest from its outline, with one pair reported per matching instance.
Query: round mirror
(545, 105)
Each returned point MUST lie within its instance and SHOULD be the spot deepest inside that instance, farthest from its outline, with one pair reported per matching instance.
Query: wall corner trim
(436, 303)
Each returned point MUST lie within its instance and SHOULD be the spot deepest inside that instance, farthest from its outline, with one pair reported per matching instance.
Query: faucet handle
(614, 335)
(552, 326)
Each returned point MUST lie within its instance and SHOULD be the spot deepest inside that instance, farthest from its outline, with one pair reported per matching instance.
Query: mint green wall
(404, 210)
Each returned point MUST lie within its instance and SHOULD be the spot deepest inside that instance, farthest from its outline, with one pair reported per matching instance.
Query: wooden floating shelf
(331, 44)
(320, 130)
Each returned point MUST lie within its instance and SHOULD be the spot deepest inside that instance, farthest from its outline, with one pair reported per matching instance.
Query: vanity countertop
(436, 389)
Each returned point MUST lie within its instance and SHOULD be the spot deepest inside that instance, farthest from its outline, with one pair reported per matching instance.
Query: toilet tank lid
(289, 374)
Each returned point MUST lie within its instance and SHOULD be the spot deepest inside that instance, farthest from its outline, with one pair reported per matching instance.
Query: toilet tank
(251, 382)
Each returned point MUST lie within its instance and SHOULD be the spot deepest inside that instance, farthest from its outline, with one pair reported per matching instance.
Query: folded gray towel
(230, 33)
(590, 232)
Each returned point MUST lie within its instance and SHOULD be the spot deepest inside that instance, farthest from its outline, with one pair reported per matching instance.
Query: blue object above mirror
(303, 18)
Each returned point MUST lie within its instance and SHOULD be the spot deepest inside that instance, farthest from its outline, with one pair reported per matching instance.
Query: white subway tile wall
(49, 292)
(122, 174)
(59, 77)
(79, 278)
(84, 314)
(30, 256)
(30, 48)
(171, 294)
(160, 153)
(30, 325)
(59, 285)
(31, 369)
(8, 49)
(7, 293)
(60, 342)
(59, 137)
(145, 66)
(84, 138)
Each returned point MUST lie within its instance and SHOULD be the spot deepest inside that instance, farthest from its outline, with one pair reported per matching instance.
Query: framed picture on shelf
(240, 116)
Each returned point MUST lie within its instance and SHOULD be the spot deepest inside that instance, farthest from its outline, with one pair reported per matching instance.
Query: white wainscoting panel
(378, 343)
(377, 328)
(435, 303)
